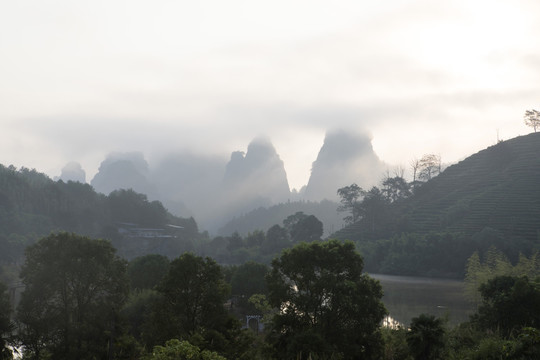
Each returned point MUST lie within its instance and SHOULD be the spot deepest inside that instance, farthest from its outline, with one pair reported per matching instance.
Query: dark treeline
(82, 301)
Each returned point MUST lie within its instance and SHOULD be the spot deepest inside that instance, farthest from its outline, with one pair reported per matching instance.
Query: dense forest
(32, 206)
(313, 302)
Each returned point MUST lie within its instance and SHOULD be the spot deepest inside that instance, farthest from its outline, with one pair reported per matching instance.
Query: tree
(308, 229)
(193, 295)
(349, 202)
(75, 287)
(415, 166)
(396, 188)
(373, 210)
(255, 238)
(145, 272)
(6, 326)
(496, 264)
(327, 306)
(248, 279)
(508, 304)
(532, 118)
(175, 349)
(426, 337)
(277, 238)
(474, 277)
(429, 166)
(191, 308)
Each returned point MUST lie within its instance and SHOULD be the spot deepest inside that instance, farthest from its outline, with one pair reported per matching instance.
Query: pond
(406, 297)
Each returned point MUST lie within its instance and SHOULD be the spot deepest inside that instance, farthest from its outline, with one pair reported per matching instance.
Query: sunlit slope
(498, 187)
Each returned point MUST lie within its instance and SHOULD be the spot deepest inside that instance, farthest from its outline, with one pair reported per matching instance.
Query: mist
(216, 189)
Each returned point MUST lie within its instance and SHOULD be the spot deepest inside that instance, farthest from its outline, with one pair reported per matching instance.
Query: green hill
(490, 198)
(32, 206)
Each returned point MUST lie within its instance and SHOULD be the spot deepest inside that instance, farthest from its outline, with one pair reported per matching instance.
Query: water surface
(406, 297)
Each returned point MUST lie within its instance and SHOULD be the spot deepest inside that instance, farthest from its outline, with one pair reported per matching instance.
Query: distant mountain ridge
(215, 191)
(497, 188)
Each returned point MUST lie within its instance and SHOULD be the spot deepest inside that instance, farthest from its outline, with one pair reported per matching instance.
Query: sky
(81, 79)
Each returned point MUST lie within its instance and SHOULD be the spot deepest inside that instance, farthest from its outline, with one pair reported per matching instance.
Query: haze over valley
(215, 189)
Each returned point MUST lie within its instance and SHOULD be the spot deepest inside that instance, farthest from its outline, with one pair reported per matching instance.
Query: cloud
(82, 80)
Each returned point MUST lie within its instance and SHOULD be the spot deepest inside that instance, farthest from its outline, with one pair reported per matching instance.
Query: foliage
(136, 311)
(302, 227)
(32, 206)
(328, 307)
(467, 342)
(263, 218)
(175, 349)
(426, 337)
(508, 304)
(248, 279)
(74, 288)
(395, 188)
(191, 307)
(429, 167)
(349, 196)
(276, 240)
(6, 326)
(145, 272)
(260, 247)
(193, 293)
(532, 118)
(395, 344)
(261, 304)
(496, 264)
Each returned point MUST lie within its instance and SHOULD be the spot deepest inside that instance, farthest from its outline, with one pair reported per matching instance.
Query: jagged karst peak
(345, 157)
(123, 171)
(259, 173)
(73, 171)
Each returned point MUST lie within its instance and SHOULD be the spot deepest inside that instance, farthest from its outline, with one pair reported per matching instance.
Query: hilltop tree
(395, 188)
(374, 209)
(75, 287)
(328, 306)
(429, 166)
(532, 118)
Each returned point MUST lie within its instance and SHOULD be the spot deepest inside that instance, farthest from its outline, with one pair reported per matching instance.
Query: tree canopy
(74, 288)
(328, 307)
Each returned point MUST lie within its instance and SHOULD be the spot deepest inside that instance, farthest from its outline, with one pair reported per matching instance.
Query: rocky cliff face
(344, 158)
(123, 171)
(259, 174)
(208, 188)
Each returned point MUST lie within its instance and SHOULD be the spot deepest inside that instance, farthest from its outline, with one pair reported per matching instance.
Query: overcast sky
(79, 79)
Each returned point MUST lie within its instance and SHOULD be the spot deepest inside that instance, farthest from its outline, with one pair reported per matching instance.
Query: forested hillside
(491, 198)
(32, 206)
